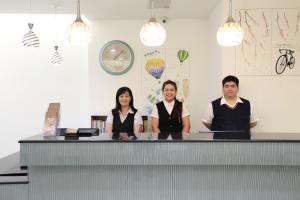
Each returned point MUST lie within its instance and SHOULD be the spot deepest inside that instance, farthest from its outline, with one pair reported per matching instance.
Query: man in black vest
(230, 117)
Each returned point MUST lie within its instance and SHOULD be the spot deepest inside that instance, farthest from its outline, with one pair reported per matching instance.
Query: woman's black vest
(169, 124)
(126, 127)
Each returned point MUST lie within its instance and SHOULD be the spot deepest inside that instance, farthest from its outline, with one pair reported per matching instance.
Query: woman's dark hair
(230, 78)
(177, 110)
(169, 82)
(121, 91)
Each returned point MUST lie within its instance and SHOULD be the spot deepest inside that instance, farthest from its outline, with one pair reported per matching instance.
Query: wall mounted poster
(271, 44)
(159, 65)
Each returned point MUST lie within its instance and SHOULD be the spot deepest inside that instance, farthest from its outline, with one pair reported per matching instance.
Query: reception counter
(197, 167)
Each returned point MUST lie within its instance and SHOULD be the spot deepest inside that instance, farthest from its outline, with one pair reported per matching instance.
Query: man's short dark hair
(230, 78)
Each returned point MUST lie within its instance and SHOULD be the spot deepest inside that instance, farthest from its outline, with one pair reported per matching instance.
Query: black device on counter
(81, 132)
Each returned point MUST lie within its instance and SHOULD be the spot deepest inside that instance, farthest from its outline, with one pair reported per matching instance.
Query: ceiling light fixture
(152, 34)
(56, 58)
(231, 33)
(30, 39)
(78, 32)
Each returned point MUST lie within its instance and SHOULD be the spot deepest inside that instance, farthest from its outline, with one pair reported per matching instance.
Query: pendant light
(231, 33)
(152, 34)
(78, 32)
(56, 58)
(30, 39)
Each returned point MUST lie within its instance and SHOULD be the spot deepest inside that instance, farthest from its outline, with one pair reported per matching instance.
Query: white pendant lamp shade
(56, 58)
(30, 39)
(78, 32)
(152, 33)
(231, 33)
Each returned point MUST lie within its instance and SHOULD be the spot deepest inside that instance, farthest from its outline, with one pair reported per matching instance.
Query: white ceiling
(114, 9)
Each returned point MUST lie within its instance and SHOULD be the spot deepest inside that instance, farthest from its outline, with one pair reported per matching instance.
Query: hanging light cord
(152, 18)
(230, 9)
(30, 20)
(152, 8)
(78, 18)
(230, 18)
(55, 25)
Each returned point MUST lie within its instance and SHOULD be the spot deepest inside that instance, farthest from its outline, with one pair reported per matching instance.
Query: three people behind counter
(229, 117)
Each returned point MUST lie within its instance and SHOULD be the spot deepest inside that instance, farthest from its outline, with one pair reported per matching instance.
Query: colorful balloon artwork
(148, 109)
(182, 55)
(158, 91)
(155, 67)
(152, 99)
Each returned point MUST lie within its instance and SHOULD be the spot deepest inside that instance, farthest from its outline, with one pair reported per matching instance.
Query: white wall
(215, 54)
(191, 34)
(275, 99)
(28, 82)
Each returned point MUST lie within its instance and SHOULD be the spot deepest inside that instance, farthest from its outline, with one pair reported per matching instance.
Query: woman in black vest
(124, 118)
(170, 116)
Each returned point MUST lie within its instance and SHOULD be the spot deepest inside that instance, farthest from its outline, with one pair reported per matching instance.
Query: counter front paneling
(194, 168)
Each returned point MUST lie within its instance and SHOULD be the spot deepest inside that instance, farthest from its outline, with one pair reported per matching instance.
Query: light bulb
(152, 33)
(78, 33)
(230, 34)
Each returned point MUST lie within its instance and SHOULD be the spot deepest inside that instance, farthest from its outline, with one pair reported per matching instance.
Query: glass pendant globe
(230, 34)
(152, 34)
(78, 33)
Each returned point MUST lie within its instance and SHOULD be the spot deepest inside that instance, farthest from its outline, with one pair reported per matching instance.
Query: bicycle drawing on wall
(286, 59)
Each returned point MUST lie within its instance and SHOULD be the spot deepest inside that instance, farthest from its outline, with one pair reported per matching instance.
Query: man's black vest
(126, 127)
(228, 119)
(169, 124)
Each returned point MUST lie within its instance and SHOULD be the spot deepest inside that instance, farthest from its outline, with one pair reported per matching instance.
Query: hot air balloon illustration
(147, 109)
(158, 91)
(152, 99)
(182, 55)
(155, 67)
